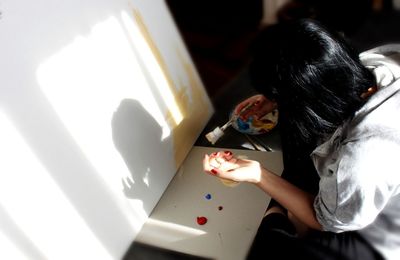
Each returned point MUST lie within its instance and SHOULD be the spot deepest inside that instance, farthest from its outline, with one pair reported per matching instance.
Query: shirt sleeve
(359, 184)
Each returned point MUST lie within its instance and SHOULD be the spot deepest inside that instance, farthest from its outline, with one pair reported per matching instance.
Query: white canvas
(99, 105)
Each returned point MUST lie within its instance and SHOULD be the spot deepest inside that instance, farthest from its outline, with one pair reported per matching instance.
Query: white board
(102, 103)
(229, 232)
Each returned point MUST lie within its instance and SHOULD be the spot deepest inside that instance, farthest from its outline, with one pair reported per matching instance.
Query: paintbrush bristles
(213, 136)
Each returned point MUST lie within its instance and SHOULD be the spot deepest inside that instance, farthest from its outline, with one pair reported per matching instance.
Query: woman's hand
(256, 106)
(225, 165)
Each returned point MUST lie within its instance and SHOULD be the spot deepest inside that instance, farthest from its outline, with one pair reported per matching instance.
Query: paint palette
(254, 126)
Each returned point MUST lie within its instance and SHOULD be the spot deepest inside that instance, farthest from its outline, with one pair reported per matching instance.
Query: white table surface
(229, 232)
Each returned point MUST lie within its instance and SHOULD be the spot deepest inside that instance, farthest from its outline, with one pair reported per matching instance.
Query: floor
(217, 34)
(139, 251)
(381, 28)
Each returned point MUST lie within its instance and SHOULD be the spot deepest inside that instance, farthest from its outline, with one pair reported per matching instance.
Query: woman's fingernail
(214, 171)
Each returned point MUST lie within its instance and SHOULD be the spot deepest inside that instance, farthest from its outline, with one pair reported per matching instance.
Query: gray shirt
(359, 166)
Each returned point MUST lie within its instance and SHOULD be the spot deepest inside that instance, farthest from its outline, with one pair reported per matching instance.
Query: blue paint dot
(208, 196)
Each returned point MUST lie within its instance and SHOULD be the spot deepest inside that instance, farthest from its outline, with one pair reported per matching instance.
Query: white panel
(229, 232)
(105, 102)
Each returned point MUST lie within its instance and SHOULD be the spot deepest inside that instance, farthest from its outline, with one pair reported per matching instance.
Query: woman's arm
(295, 200)
(298, 202)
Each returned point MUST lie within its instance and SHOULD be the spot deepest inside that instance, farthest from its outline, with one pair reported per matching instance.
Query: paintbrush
(214, 135)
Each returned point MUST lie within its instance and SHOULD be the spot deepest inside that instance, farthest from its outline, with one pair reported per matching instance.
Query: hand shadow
(137, 136)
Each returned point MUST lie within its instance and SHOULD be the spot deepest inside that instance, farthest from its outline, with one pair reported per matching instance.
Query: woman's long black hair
(315, 77)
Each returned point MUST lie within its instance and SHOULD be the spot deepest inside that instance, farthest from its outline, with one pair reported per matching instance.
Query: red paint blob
(201, 220)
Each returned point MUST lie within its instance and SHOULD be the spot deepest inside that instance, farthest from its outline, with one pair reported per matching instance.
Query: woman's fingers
(241, 106)
(228, 155)
(254, 105)
(219, 162)
(226, 166)
(257, 106)
(208, 165)
(247, 103)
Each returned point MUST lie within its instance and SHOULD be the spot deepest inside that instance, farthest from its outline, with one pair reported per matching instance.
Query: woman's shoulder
(384, 62)
(386, 49)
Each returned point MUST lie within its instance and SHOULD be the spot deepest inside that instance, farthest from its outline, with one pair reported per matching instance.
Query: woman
(338, 119)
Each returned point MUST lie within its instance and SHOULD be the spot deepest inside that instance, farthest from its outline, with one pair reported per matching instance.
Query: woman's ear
(370, 91)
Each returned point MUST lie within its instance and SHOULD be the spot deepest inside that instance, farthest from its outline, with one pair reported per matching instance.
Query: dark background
(218, 33)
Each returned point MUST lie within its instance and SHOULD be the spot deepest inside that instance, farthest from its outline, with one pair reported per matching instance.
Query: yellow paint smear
(195, 110)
